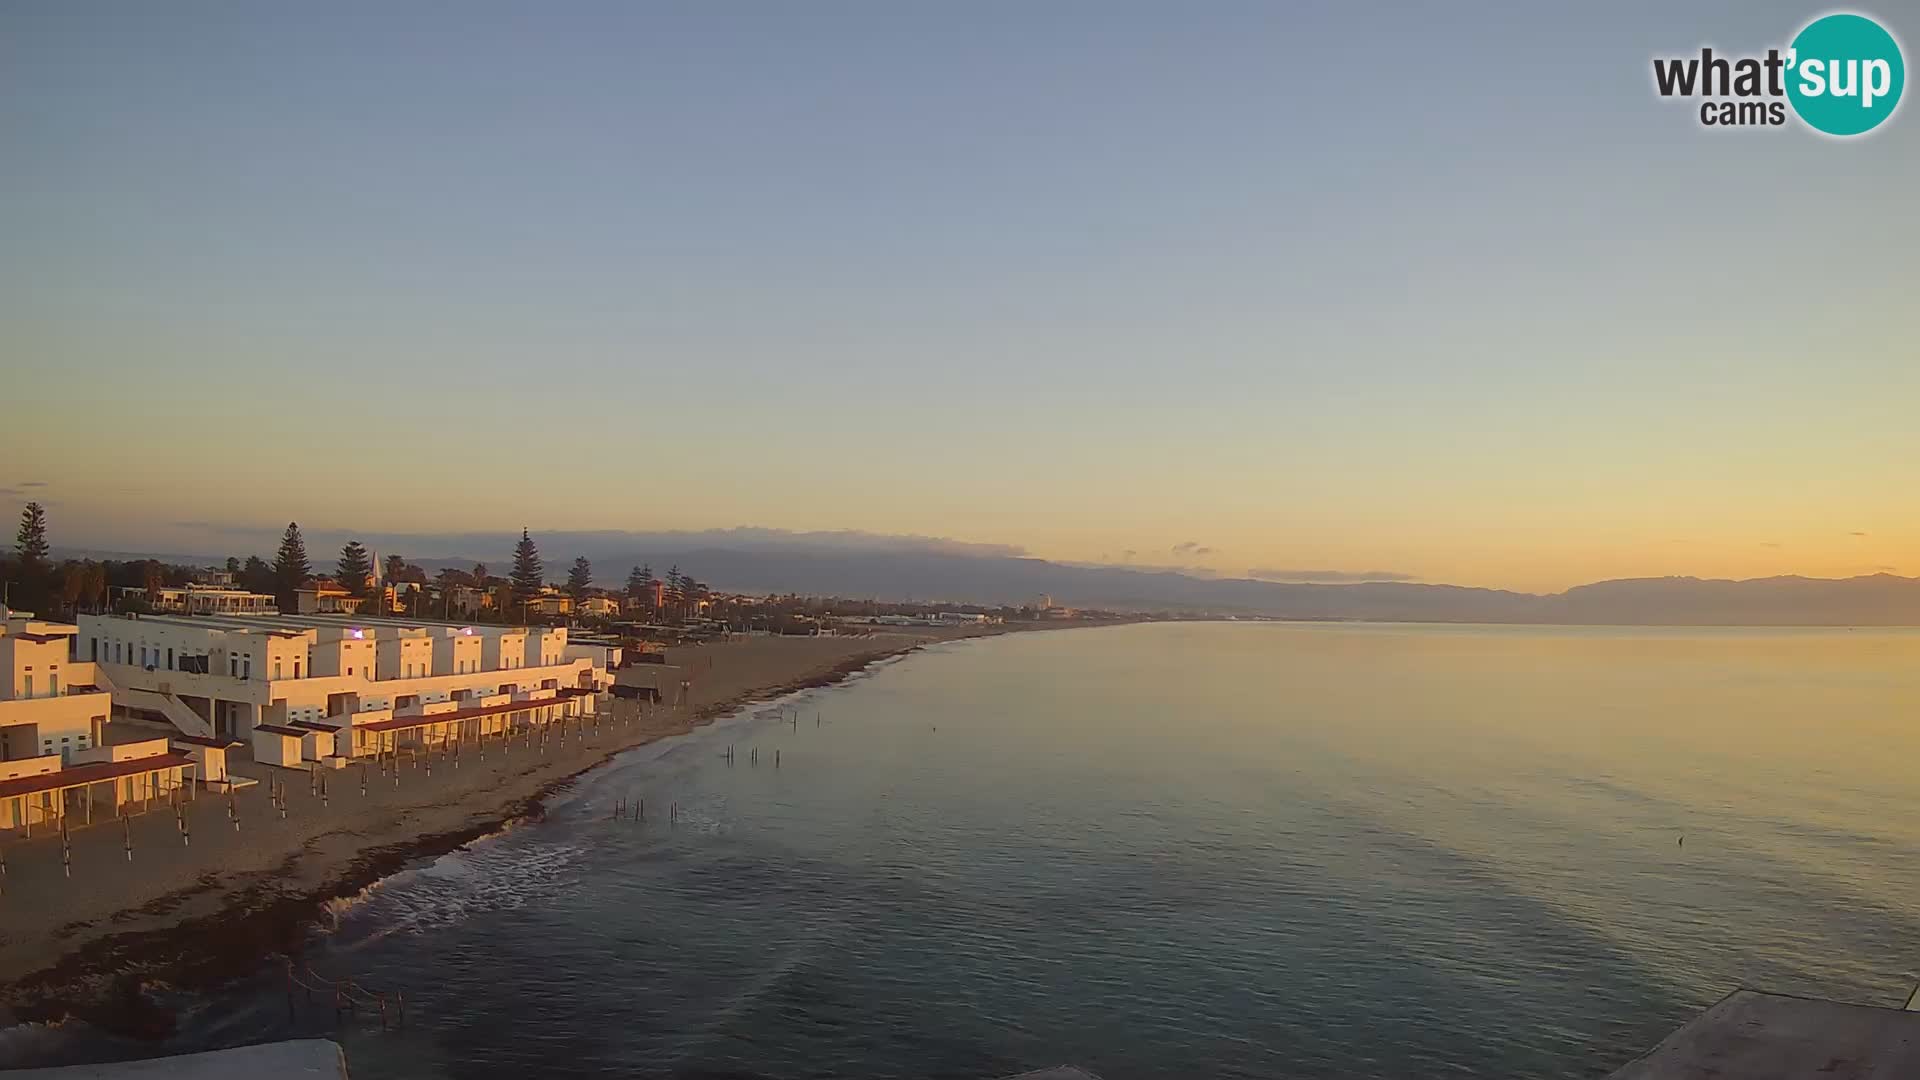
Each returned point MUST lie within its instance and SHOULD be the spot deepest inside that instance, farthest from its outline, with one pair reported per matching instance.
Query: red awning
(90, 774)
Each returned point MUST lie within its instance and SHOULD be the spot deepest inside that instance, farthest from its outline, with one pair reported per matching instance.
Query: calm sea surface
(1236, 850)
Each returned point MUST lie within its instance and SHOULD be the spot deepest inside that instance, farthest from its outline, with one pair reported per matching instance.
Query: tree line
(34, 582)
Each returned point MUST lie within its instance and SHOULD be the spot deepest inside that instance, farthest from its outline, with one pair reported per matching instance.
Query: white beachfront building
(53, 715)
(225, 676)
(50, 704)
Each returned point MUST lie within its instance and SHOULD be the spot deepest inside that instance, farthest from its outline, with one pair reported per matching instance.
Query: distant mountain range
(928, 569)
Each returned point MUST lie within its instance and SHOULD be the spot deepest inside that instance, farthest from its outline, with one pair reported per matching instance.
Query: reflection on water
(1168, 851)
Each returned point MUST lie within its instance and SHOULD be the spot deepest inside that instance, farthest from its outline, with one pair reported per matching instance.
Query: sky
(1428, 291)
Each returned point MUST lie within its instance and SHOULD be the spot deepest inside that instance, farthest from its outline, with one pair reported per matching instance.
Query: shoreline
(103, 979)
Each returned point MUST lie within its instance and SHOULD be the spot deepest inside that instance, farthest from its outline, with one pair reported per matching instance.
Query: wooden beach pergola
(47, 794)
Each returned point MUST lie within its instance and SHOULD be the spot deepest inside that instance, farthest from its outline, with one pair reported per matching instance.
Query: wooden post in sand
(66, 848)
(363, 778)
(126, 829)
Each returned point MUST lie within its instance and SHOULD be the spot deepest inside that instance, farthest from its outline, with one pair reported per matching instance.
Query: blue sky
(1446, 292)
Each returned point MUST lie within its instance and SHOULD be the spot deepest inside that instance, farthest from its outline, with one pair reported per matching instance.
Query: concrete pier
(1756, 1036)
(295, 1059)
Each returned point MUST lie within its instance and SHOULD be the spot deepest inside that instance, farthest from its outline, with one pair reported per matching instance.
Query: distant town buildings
(324, 596)
(199, 600)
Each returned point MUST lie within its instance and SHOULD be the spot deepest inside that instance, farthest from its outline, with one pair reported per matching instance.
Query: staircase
(175, 710)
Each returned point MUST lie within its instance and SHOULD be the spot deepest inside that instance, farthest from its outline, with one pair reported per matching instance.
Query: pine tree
(528, 575)
(30, 543)
(580, 579)
(635, 583)
(480, 574)
(354, 568)
(233, 565)
(396, 568)
(674, 589)
(290, 567)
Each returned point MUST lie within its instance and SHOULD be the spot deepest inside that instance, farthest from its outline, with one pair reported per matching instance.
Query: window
(169, 659)
(276, 667)
(53, 684)
(28, 692)
(246, 667)
(296, 669)
(349, 669)
(93, 644)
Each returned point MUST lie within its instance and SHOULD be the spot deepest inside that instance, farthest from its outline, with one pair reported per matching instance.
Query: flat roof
(1758, 1036)
(204, 740)
(90, 774)
(224, 621)
(278, 729)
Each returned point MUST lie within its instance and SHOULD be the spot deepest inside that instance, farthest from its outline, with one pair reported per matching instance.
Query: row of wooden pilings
(347, 996)
(319, 780)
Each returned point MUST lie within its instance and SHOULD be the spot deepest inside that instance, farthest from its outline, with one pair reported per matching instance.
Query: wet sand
(189, 915)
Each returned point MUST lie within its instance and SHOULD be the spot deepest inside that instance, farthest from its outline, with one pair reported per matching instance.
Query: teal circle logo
(1845, 74)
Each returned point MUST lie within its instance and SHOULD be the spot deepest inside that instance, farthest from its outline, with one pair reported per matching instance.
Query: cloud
(1856, 532)
(1191, 547)
(1330, 577)
(1768, 544)
(33, 483)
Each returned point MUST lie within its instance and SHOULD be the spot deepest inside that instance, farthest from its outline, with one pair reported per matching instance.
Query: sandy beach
(192, 914)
